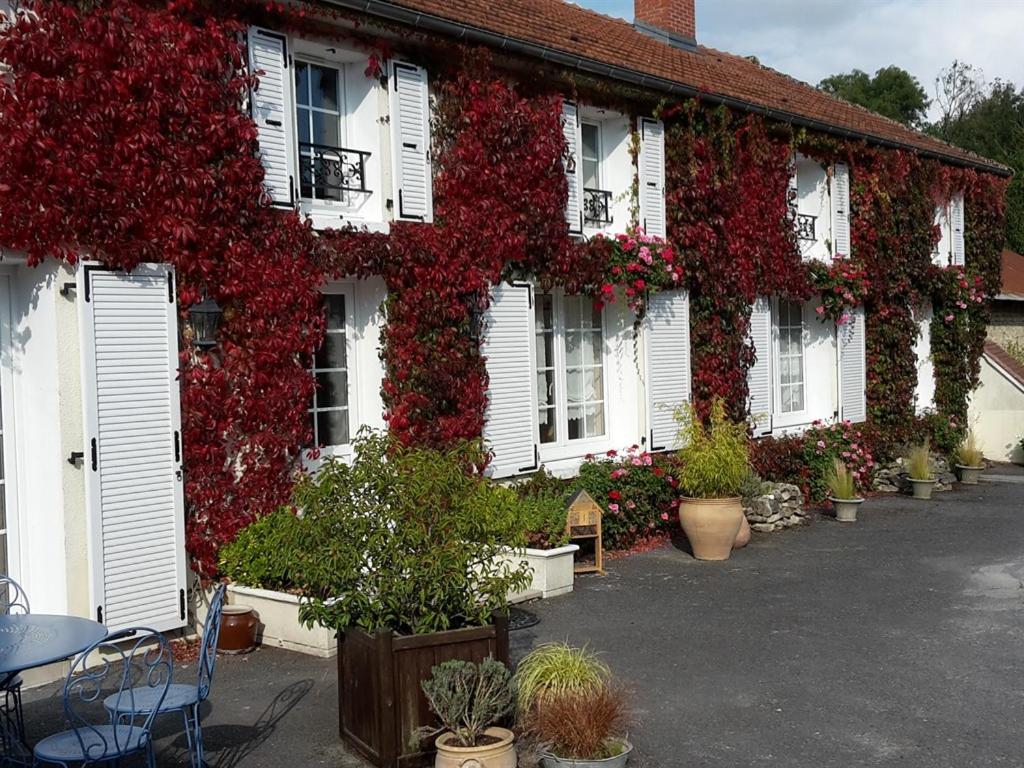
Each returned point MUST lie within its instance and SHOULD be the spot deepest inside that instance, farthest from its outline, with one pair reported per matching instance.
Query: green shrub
(406, 539)
(544, 499)
(263, 554)
(919, 461)
(468, 698)
(635, 489)
(852, 444)
(841, 483)
(557, 668)
(715, 458)
(968, 454)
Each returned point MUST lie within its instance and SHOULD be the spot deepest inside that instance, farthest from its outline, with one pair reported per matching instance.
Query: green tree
(989, 120)
(892, 92)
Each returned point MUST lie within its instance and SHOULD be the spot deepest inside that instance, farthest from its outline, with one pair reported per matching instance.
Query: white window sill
(575, 449)
(336, 218)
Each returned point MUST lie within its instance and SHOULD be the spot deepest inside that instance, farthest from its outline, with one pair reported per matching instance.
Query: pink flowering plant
(850, 443)
(636, 490)
(640, 264)
(843, 286)
(960, 292)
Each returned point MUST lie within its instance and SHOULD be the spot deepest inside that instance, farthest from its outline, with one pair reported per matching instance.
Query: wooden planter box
(380, 702)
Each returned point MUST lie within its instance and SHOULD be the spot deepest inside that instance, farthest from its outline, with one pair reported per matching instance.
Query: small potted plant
(970, 461)
(714, 464)
(842, 487)
(919, 467)
(571, 711)
(469, 699)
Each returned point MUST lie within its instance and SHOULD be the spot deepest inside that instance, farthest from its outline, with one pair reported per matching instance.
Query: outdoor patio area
(896, 640)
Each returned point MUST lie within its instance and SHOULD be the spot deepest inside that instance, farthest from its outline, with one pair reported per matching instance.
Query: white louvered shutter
(573, 141)
(759, 377)
(956, 212)
(271, 106)
(652, 176)
(841, 210)
(668, 364)
(133, 446)
(410, 138)
(853, 405)
(511, 402)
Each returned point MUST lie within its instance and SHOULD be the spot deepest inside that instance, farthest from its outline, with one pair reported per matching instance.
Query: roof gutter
(389, 11)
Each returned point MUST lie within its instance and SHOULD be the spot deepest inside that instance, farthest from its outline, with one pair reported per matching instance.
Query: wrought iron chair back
(13, 599)
(208, 647)
(120, 663)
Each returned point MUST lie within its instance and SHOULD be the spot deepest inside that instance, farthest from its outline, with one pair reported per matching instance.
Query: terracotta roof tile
(1003, 359)
(570, 29)
(1012, 275)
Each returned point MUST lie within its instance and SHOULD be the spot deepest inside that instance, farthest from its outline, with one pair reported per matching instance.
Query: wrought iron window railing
(597, 206)
(806, 226)
(329, 171)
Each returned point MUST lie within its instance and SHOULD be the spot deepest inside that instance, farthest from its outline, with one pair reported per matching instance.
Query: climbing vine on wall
(125, 141)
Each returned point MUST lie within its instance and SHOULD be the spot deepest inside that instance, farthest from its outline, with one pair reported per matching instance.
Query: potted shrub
(400, 555)
(548, 553)
(714, 463)
(919, 467)
(469, 699)
(842, 487)
(970, 461)
(570, 708)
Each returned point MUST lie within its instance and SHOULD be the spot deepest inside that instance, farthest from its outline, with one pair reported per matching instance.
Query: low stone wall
(894, 478)
(780, 506)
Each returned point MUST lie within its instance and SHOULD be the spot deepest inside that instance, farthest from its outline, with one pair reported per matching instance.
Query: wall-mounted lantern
(204, 319)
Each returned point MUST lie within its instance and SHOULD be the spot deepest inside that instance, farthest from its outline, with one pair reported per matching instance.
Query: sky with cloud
(811, 39)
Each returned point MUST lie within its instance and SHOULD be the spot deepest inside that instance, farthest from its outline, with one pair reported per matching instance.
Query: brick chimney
(671, 21)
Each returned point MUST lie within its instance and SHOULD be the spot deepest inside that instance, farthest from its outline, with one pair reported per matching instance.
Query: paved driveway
(895, 641)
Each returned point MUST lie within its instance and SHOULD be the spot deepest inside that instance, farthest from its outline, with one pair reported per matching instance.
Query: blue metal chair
(185, 698)
(13, 600)
(131, 662)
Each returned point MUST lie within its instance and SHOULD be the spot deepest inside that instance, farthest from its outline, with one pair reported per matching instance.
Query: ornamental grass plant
(581, 725)
(842, 485)
(968, 453)
(715, 457)
(556, 669)
(919, 461)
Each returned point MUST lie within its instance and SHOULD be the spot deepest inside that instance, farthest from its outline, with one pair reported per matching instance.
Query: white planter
(552, 570)
(279, 622)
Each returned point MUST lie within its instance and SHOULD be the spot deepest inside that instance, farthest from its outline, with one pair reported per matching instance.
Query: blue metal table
(35, 639)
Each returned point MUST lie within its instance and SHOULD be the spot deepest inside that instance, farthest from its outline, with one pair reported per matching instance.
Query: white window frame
(596, 125)
(347, 290)
(563, 447)
(944, 214)
(343, 118)
(781, 420)
(10, 435)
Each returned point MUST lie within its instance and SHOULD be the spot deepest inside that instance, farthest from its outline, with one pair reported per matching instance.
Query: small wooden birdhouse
(583, 524)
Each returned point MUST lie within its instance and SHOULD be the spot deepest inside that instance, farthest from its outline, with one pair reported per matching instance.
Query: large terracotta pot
(743, 535)
(711, 525)
(500, 754)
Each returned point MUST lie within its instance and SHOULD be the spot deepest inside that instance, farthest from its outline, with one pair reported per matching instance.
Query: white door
(133, 446)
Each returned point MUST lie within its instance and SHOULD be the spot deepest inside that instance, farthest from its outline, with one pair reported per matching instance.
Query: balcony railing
(806, 227)
(597, 206)
(330, 171)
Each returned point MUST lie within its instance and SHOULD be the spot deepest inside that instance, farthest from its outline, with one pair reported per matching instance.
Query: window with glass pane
(791, 357)
(544, 328)
(318, 102)
(591, 156)
(570, 368)
(584, 368)
(330, 409)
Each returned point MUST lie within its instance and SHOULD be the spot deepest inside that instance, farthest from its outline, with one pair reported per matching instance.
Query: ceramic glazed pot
(711, 525)
(846, 509)
(500, 754)
(238, 626)
(550, 761)
(743, 536)
(922, 488)
(969, 475)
